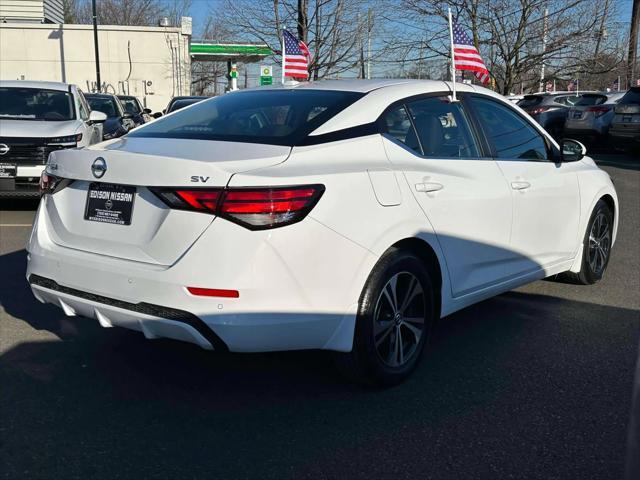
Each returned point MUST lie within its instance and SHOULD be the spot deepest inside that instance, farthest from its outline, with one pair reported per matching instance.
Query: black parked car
(132, 105)
(549, 109)
(118, 120)
(177, 103)
(624, 132)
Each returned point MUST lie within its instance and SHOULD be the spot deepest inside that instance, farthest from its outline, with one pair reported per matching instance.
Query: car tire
(394, 322)
(597, 247)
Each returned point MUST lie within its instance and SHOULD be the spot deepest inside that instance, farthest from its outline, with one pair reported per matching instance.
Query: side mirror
(157, 115)
(97, 116)
(571, 150)
(147, 111)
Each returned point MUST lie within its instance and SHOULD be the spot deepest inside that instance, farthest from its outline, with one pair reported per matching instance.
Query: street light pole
(95, 43)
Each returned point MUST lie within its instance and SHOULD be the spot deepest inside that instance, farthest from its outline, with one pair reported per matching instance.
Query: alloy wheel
(399, 319)
(599, 243)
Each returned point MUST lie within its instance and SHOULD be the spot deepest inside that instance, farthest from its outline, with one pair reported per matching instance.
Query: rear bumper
(625, 135)
(293, 295)
(24, 185)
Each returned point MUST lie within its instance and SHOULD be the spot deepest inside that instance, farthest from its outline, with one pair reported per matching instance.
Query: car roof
(351, 85)
(63, 87)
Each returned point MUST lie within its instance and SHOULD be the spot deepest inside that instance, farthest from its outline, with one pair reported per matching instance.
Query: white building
(40, 11)
(152, 63)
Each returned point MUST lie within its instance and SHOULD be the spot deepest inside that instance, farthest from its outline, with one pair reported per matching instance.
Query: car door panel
(545, 194)
(466, 200)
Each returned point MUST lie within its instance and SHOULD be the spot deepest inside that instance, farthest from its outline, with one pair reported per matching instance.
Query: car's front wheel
(596, 246)
(395, 317)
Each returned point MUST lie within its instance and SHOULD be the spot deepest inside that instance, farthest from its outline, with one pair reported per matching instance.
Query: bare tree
(331, 28)
(122, 12)
(209, 77)
(510, 35)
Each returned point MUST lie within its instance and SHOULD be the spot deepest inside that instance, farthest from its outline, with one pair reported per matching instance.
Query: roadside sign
(266, 75)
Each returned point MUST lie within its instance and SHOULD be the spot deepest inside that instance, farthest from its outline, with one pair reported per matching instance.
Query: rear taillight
(539, 110)
(253, 208)
(50, 184)
(598, 110)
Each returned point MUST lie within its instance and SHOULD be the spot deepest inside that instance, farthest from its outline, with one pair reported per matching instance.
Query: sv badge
(199, 179)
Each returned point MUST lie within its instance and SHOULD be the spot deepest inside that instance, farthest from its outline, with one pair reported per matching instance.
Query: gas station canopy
(238, 52)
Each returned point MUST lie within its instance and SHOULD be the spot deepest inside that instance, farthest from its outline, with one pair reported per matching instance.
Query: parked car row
(37, 118)
(593, 117)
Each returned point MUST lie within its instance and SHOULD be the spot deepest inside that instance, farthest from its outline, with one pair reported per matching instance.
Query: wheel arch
(423, 250)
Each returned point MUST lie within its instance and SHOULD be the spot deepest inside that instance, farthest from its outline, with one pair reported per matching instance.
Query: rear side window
(398, 125)
(511, 135)
(277, 117)
(587, 100)
(443, 130)
(567, 100)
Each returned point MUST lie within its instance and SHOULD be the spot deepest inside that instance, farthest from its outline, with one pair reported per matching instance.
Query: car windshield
(632, 96)
(588, 99)
(20, 103)
(277, 117)
(530, 101)
(106, 105)
(130, 105)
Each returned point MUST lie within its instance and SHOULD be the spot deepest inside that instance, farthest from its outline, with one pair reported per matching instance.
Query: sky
(200, 10)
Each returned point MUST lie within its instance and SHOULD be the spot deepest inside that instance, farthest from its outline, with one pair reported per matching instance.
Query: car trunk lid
(155, 234)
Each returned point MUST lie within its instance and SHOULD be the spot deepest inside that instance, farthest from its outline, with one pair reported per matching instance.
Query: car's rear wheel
(395, 318)
(596, 247)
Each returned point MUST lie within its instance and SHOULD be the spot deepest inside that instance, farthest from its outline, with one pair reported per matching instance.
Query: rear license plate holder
(8, 170)
(110, 203)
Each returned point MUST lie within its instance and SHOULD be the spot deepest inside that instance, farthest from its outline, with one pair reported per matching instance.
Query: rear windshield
(19, 103)
(530, 101)
(277, 117)
(106, 105)
(587, 99)
(632, 96)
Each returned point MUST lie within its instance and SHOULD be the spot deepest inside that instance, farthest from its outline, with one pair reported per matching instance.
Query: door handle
(429, 187)
(520, 185)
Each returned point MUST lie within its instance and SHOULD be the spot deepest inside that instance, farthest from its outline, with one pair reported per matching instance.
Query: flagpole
(283, 55)
(453, 67)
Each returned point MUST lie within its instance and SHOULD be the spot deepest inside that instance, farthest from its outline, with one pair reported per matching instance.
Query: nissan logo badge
(99, 167)
(4, 149)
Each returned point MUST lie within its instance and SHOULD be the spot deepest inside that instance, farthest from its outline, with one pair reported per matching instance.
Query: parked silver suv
(37, 118)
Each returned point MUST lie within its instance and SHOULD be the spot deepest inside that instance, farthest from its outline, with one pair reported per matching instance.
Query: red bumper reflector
(213, 292)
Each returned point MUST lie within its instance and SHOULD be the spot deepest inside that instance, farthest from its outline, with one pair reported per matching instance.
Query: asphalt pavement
(535, 383)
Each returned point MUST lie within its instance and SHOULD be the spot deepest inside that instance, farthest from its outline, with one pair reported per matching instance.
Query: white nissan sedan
(339, 215)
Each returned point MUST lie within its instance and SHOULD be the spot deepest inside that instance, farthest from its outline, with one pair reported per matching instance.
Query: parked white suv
(37, 118)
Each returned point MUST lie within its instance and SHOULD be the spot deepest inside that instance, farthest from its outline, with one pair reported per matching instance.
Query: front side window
(130, 105)
(82, 110)
(19, 103)
(277, 117)
(442, 128)
(106, 105)
(511, 135)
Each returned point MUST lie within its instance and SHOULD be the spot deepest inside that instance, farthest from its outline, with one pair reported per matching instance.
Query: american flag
(466, 56)
(295, 58)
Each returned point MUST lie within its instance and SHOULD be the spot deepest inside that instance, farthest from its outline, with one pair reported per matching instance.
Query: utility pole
(544, 47)
(95, 43)
(633, 44)
(369, 27)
